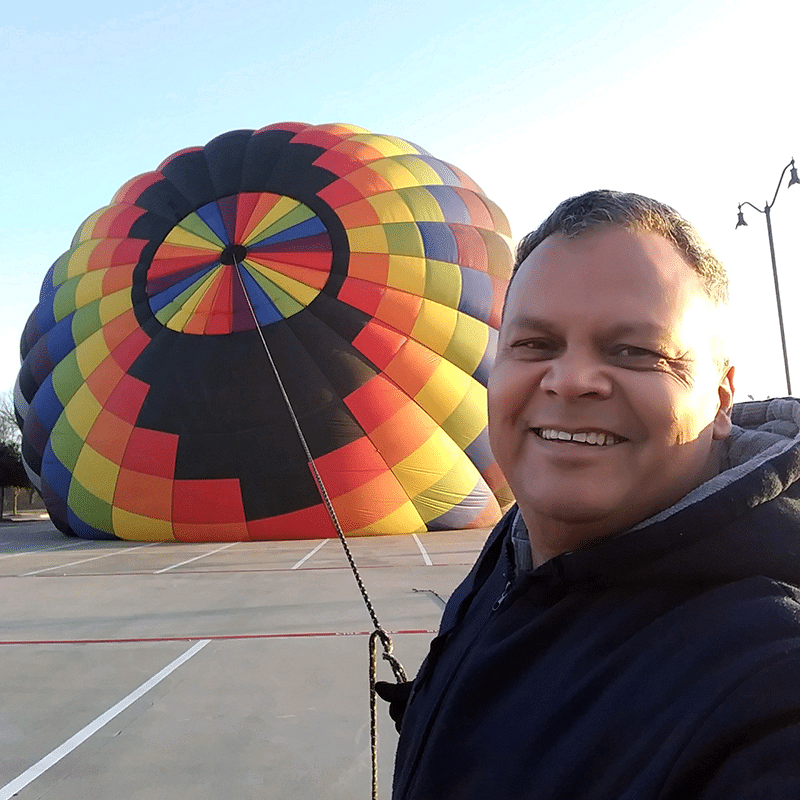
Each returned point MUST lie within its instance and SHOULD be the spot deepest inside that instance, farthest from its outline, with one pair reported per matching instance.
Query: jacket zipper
(497, 603)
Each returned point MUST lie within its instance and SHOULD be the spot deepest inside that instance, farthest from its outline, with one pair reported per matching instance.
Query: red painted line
(221, 637)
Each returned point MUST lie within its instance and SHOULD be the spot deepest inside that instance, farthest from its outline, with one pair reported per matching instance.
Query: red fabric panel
(151, 452)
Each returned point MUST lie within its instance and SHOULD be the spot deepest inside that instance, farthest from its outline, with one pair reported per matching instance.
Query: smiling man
(632, 626)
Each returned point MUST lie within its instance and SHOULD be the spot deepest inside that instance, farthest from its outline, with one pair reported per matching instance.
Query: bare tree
(9, 430)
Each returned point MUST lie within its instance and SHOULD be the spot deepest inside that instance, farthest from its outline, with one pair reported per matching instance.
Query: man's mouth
(596, 438)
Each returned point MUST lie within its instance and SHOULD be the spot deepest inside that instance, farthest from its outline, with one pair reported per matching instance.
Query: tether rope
(379, 632)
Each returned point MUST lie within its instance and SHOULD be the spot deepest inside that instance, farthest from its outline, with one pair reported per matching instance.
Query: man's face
(607, 393)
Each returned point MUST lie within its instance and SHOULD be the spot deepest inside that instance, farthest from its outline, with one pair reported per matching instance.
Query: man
(632, 626)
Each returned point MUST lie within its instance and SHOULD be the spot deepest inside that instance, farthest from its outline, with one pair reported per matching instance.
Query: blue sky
(694, 102)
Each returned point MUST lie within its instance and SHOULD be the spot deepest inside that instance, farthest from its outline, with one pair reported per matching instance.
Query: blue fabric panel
(46, 404)
(167, 295)
(453, 207)
(440, 244)
(58, 477)
(476, 294)
(309, 227)
(84, 530)
(266, 311)
(209, 213)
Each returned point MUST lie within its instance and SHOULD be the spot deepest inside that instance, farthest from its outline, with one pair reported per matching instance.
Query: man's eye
(535, 345)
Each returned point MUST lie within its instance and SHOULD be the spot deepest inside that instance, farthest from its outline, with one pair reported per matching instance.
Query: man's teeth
(584, 437)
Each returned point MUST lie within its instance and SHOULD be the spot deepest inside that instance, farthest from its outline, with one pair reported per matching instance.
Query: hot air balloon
(321, 276)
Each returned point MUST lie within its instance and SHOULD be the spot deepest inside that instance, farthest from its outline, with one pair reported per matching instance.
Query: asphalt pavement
(159, 671)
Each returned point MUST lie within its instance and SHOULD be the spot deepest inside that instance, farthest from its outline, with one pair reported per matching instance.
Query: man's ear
(722, 421)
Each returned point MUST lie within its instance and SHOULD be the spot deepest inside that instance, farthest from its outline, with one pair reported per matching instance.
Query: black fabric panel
(269, 494)
(225, 157)
(342, 365)
(163, 199)
(344, 319)
(189, 174)
(213, 384)
(260, 156)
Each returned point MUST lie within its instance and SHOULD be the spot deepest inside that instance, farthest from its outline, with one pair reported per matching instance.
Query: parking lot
(171, 670)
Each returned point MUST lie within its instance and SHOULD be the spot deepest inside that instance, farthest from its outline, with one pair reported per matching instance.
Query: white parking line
(308, 555)
(425, 556)
(85, 560)
(44, 549)
(196, 558)
(30, 774)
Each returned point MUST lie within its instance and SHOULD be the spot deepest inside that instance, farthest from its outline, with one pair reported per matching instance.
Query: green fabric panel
(404, 239)
(64, 301)
(195, 224)
(90, 509)
(297, 215)
(67, 378)
(284, 302)
(443, 282)
(468, 344)
(66, 443)
(86, 321)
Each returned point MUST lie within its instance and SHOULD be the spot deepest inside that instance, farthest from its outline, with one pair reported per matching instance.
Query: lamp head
(793, 175)
(740, 221)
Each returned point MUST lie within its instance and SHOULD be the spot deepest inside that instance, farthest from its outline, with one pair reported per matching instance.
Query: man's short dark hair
(594, 209)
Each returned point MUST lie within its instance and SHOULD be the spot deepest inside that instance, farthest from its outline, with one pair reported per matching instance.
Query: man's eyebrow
(524, 321)
(637, 328)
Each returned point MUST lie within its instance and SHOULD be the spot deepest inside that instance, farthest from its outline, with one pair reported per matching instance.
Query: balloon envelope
(368, 272)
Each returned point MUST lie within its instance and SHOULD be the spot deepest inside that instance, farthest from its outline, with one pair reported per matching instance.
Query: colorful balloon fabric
(372, 275)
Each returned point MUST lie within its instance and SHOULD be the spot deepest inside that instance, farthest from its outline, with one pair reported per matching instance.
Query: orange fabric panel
(379, 343)
(358, 214)
(109, 435)
(117, 330)
(399, 309)
(369, 502)
(417, 428)
(373, 267)
(412, 367)
(350, 466)
(375, 402)
(104, 379)
(148, 495)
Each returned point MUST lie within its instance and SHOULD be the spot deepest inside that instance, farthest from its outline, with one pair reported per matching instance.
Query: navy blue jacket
(664, 663)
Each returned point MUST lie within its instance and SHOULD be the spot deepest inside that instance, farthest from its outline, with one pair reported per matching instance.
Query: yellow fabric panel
(443, 282)
(407, 273)
(422, 203)
(82, 411)
(301, 292)
(427, 464)
(115, 304)
(390, 207)
(369, 239)
(457, 484)
(84, 233)
(78, 262)
(468, 343)
(469, 417)
(91, 352)
(194, 294)
(444, 390)
(425, 173)
(185, 238)
(283, 207)
(136, 528)
(96, 473)
(435, 325)
(498, 217)
(405, 519)
(90, 287)
(394, 173)
(388, 145)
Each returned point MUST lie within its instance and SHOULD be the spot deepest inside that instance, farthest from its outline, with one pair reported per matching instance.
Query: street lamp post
(793, 178)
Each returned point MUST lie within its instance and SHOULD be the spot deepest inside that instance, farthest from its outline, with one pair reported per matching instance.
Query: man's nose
(575, 374)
